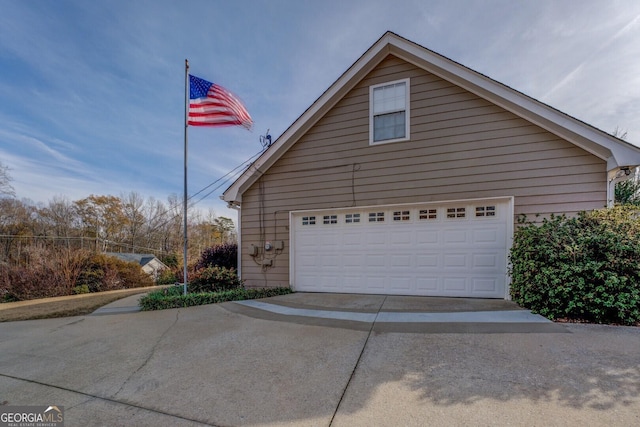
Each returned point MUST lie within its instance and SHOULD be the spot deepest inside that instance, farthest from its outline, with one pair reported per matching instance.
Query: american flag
(212, 105)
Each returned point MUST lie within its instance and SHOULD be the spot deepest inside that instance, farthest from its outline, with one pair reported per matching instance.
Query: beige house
(406, 177)
(149, 263)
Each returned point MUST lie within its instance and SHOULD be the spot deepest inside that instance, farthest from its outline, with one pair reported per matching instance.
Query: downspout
(236, 206)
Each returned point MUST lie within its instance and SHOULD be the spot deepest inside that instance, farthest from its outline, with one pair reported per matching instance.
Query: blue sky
(92, 92)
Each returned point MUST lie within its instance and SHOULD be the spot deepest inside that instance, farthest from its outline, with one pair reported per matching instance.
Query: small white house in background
(406, 177)
(149, 263)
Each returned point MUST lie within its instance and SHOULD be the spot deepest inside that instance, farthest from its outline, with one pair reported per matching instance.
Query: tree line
(128, 223)
(58, 248)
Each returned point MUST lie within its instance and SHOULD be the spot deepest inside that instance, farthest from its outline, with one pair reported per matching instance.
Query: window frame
(407, 111)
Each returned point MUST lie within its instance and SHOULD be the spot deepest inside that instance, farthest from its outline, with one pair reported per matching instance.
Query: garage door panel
(374, 261)
(491, 235)
(428, 261)
(376, 237)
(427, 238)
(485, 260)
(307, 261)
(351, 240)
(307, 282)
(427, 285)
(400, 284)
(330, 281)
(452, 249)
(328, 240)
(306, 243)
(455, 284)
(352, 260)
(330, 261)
(401, 260)
(374, 282)
(484, 285)
(455, 236)
(400, 238)
(352, 282)
(455, 261)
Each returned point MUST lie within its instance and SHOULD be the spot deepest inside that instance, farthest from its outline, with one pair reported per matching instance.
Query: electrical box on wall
(278, 245)
(253, 250)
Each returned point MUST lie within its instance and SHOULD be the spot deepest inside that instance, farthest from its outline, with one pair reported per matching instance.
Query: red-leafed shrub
(223, 255)
(47, 273)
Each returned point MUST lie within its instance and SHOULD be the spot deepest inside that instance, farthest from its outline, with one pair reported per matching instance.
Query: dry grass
(77, 305)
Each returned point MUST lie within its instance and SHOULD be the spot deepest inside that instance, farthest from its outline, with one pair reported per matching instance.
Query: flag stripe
(212, 105)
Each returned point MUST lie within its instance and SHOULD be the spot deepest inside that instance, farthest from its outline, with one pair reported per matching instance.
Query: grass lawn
(75, 305)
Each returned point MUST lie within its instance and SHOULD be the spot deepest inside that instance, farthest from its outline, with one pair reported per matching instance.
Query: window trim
(406, 110)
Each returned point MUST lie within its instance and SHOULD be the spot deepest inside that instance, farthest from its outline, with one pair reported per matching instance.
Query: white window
(376, 216)
(485, 211)
(352, 218)
(401, 216)
(330, 219)
(389, 112)
(456, 213)
(428, 214)
(308, 220)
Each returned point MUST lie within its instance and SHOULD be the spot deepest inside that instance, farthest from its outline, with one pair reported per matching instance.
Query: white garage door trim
(448, 248)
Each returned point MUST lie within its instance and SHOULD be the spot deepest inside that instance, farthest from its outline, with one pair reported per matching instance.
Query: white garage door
(444, 249)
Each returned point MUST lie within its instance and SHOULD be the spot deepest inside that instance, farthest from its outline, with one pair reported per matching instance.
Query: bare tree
(102, 217)
(6, 189)
(627, 192)
(620, 133)
(133, 210)
(15, 226)
(60, 218)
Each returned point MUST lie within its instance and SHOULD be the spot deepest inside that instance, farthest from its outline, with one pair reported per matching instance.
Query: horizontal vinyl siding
(461, 147)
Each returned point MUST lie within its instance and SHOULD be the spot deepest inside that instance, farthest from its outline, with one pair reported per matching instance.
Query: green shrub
(132, 276)
(213, 279)
(584, 268)
(170, 260)
(166, 277)
(173, 297)
(83, 289)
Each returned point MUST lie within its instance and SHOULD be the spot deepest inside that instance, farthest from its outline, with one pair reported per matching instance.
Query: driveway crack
(150, 354)
(355, 367)
(91, 397)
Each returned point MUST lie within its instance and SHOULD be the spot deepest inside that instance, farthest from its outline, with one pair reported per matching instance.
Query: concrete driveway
(323, 359)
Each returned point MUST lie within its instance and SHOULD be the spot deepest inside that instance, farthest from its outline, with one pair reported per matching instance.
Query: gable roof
(616, 152)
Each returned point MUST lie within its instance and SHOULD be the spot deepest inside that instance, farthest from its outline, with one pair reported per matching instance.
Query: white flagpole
(186, 126)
